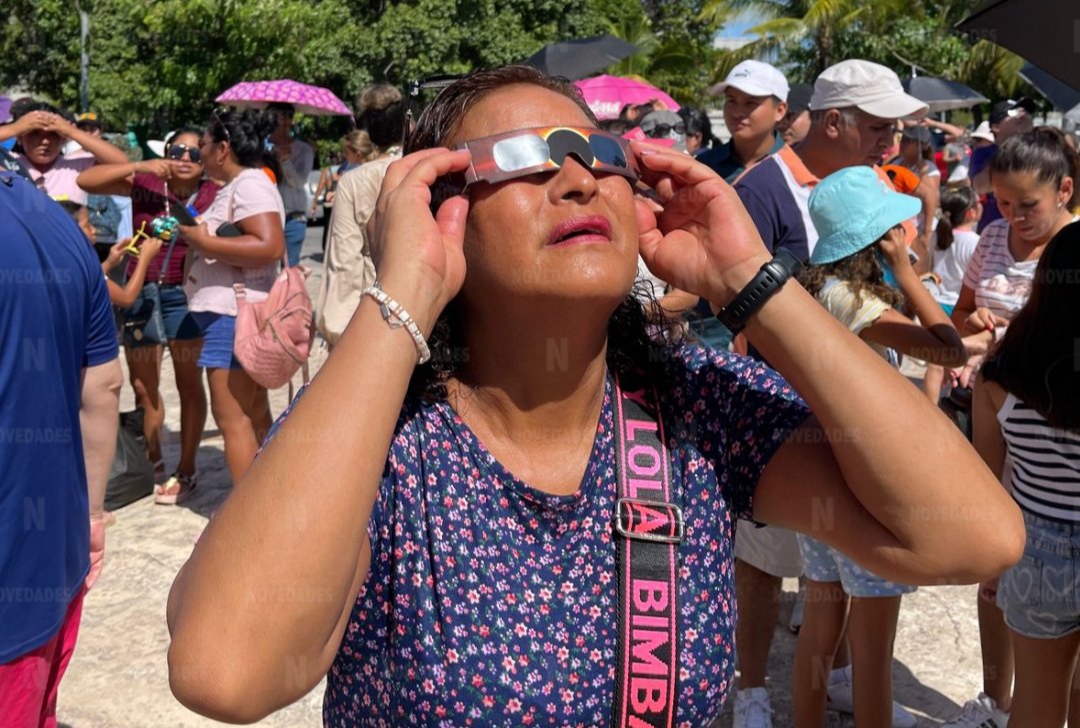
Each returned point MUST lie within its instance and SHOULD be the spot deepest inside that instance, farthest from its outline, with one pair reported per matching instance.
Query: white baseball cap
(982, 131)
(870, 87)
(757, 79)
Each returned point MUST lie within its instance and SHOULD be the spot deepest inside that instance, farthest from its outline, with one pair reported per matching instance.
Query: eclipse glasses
(523, 152)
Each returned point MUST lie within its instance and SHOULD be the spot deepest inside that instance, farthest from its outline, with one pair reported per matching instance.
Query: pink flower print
(521, 629)
(488, 701)
(474, 596)
(513, 705)
(452, 655)
(477, 681)
(563, 653)
(545, 594)
(429, 687)
(508, 664)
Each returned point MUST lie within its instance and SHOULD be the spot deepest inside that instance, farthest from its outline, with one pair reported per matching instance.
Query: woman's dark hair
(697, 122)
(636, 335)
(246, 131)
(22, 107)
(955, 202)
(1038, 360)
(861, 271)
(1042, 151)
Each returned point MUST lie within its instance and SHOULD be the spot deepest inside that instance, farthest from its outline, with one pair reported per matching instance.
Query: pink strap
(648, 529)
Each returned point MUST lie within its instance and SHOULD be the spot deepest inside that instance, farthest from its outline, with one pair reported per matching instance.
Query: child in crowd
(858, 219)
(122, 296)
(1027, 408)
(949, 257)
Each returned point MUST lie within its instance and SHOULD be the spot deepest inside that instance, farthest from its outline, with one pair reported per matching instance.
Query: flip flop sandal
(176, 489)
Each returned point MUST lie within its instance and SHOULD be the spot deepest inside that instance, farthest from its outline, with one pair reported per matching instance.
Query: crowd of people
(842, 264)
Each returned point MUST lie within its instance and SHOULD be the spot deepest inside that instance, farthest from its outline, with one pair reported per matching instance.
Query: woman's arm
(908, 495)
(103, 151)
(117, 179)
(987, 399)
(257, 613)
(262, 241)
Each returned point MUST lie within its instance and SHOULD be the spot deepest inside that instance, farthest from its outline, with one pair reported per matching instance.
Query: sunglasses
(660, 131)
(215, 115)
(544, 149)
(177, 152)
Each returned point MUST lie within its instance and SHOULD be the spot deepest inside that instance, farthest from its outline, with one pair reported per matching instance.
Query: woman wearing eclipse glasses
(160, 317)
(508, 497)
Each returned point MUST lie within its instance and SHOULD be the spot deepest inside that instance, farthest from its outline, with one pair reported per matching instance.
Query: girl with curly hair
(858, 219)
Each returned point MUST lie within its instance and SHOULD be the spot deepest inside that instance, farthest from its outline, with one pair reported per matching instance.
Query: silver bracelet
(395, 315)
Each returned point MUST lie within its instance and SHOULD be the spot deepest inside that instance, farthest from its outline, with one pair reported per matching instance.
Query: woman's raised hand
(162, 168)
(418, 255)
(703, 241)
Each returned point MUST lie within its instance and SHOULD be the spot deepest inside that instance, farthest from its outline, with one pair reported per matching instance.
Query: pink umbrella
(312, 100)
(606, 95)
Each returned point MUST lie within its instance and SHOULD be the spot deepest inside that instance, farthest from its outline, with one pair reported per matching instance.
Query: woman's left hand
(195, 235)
(703, 241)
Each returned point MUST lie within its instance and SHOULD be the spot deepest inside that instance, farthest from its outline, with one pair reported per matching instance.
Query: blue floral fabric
(489, 602)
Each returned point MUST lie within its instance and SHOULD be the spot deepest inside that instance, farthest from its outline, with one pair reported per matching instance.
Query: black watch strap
(770, 278)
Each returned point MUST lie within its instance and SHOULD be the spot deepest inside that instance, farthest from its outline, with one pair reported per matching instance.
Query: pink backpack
(274, 337)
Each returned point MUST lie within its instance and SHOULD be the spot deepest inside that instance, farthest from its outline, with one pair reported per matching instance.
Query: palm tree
(790, 22)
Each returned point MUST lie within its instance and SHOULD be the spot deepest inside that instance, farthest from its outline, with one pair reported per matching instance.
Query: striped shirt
(1045, 472)
(1000, 282)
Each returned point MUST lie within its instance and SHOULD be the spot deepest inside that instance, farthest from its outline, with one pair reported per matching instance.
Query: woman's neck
(182, 189)
(535, 378)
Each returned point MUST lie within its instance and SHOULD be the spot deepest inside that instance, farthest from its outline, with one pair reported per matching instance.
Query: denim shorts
(1040, 596)
(179, 323)
(219, 332)
(826, 564)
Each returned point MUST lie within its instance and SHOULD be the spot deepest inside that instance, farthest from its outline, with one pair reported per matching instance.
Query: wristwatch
(770, 278)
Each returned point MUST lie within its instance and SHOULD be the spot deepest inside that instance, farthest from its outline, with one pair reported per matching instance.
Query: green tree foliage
(159, 63)
(806, 36)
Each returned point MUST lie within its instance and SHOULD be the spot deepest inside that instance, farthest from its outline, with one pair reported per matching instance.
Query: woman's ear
(1065, 192)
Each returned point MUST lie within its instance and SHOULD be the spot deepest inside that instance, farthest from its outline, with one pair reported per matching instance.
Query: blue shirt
(725, 161)
(489, 602)
(980, 160)
(55, 319)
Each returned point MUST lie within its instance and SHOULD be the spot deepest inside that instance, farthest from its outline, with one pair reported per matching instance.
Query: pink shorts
(29, 683)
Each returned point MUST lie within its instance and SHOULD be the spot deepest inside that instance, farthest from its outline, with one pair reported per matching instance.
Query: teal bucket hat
(852, 209)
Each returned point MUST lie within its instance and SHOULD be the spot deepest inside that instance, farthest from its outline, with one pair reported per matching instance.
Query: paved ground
(118, 676)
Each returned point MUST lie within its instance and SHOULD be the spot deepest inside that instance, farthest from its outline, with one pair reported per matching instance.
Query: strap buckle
(644, 520)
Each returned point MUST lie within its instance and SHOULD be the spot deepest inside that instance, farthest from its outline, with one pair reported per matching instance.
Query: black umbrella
(1062, 96)
(577, 59)
(1046, 32)
(943, 95)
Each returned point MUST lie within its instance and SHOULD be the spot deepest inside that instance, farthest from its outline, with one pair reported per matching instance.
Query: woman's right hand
(158, 167)
(983, 319)
(418, 255)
